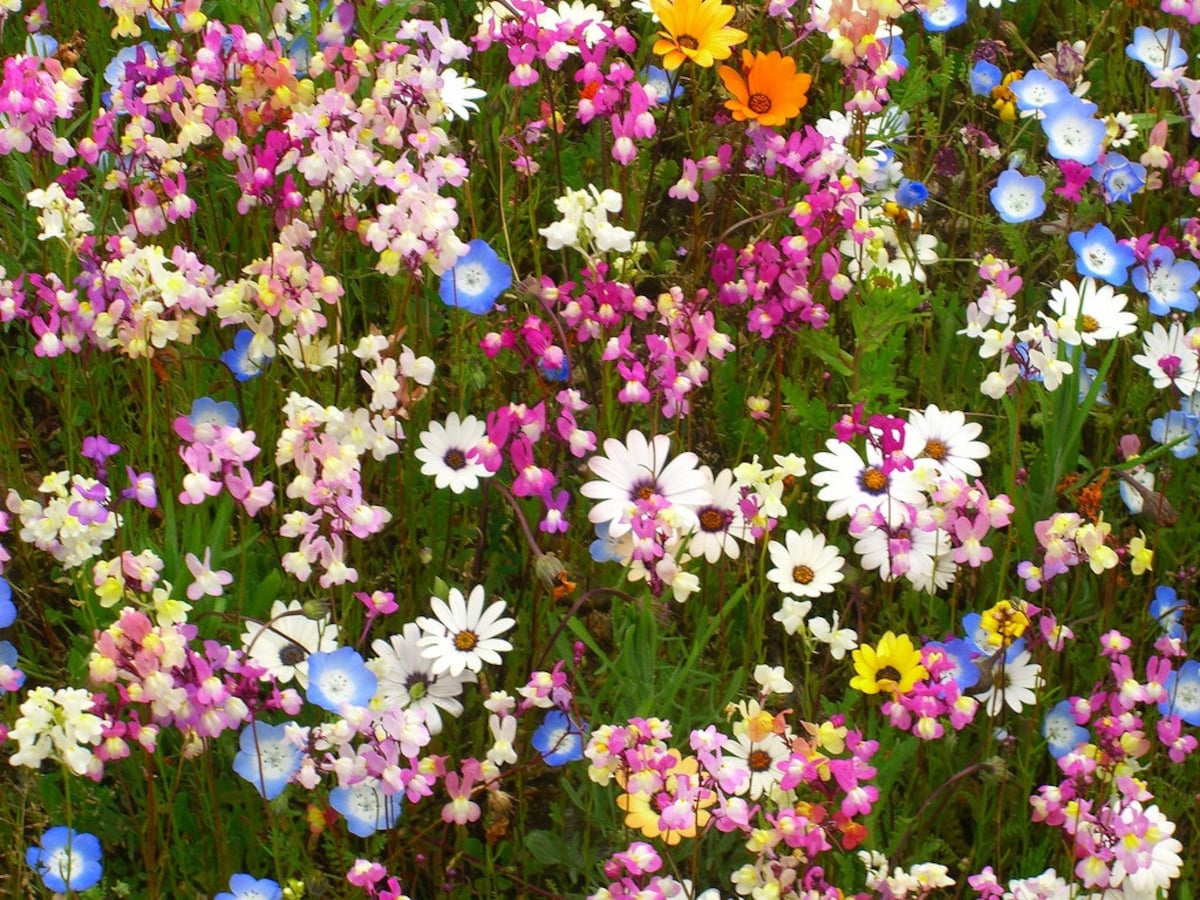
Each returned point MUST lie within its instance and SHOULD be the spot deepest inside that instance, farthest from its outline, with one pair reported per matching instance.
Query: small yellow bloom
(1004, 623)
(1141, 557)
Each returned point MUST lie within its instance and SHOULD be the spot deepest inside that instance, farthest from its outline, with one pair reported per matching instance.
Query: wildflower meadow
(687, 449)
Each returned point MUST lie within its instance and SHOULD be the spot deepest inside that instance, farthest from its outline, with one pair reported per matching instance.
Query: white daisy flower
(760, 759)
(445, 453)
(1089, 313)
(1169, 358)
(283, 645)
(848, 482)
(1013, 683)
(948, 439)
(458, 94)
(805, 565)
(464, 635)
(638, 470)
(720, 524)
(407, 680)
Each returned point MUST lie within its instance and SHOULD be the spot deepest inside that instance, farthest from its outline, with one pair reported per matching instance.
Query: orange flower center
(1088, 325)
(760, 103)
(936, 449)
(465, 641)
(802, 575)
(687, 42)
(712, 520)
(874, 480)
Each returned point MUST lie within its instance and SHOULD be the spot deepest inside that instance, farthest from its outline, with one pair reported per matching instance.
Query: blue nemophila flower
(1167, 610)
(1176, 426)
(1073, 131)
(339, 679)
(365, 807)
(1157, 50)
(658, 83)
(240, 360)
(949, 14)
(8, 609)
(896, 50)
(1099, 254)
(67, 860)
(1017, 197)
(1119, 177)
(1183, 693)
(476, 280)
(266, 758)
(985, 76)
(605, 548)
(1061, 731)
(1168, 284)
(960, 653)
(911, 194)
(559, 739)
(247, 887)
(9, 658)
(1036, 90)
(207, 411)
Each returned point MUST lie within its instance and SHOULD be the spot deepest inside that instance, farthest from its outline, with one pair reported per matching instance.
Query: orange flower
(695, 30)
(768, 89)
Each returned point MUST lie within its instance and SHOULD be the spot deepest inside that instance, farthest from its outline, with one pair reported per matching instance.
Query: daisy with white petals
(283, 645)
(947, 438)
(805, 566)
(446, 453)
(464, 635)
(1089, 313)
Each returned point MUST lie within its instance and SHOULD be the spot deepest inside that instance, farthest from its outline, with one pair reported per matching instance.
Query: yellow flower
(893, 666)
(768, 89)
(1004, 101)
(1004, 623)
(695, 30)
(1141, 557)
(642, 813)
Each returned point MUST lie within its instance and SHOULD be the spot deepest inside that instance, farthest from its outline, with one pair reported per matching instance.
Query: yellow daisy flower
(695, 30)
(894, 666)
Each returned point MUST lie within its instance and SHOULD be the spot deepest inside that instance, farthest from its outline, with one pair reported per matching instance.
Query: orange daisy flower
(768, 89)
(695, 30)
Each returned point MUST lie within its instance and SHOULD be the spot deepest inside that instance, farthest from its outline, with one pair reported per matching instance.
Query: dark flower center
(888, 674)
(687, 42)
(292, 654)
(713, 520)
(465, 641)
(759, 760)
(760, 103)
(455, 458)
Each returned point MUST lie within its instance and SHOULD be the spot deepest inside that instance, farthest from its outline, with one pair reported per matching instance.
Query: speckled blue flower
(477, 279)
(67, 860)
(1061, 731)
(559, 739)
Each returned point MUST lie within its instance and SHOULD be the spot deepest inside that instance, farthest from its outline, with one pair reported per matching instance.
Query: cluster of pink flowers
(933, 702)
(216, 456)
(35, 93)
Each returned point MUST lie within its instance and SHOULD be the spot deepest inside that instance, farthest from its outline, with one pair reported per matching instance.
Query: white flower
(772, 679)
(948, 439)
(1169, 358)
(445, 451)
(1089, 313)
(760, 758)
(283, 645)
(1013, 683)
(458, 94)
(307, 353)
(847, 482)
(792, 613)
(805, 565)
(407, 680)
(840, 640)
(464, 635)
(719, 524)
(638, 470)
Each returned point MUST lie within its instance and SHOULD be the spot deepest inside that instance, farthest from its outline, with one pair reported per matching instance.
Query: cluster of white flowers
(920, 880)
(73, 525)
(584, 224)
(62, 218)
(56, 724)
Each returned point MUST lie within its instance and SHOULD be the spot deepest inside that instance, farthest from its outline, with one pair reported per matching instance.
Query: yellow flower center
(1088, 325)
(874, 480)
(465, 641)
(936, 449)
